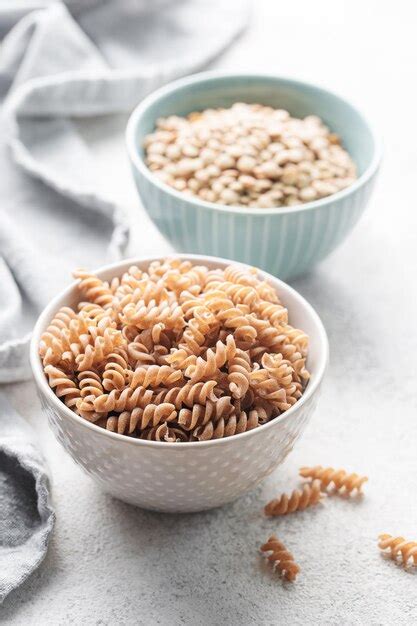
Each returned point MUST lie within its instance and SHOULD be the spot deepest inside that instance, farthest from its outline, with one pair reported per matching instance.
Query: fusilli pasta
(64, 386)
(281, 558)
(398, 546)
(297, 501)
(176, 352)
(341, 480)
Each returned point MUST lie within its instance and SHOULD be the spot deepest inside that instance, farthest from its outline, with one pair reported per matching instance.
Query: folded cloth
(57, 63)
(26, 515)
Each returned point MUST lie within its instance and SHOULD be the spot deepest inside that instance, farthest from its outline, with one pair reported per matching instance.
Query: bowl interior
(299, 98)
(301, 315)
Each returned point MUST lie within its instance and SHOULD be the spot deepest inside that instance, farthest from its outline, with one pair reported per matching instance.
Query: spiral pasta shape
(270, 389)
(154, 376)
(90, 383)
(215, 359)
(198, 327)
(291, 353)
(57, 337)
(239, 374)
(91, 387)
(177, 274)
(116, 370)
(75, 348)
(181, 359)
(145, 316)
(232, 318)
(125, 400)
(267, 292)
(151, 337)
(141, 418)
(94, 289)
(277, 374)
(148, 347)
(298, 500)
(398, 546)
(240, 275)
(281, 559)
(278, 368)
(189, 301)
(226, 427)
(133, 291)
(65, 388)
(164, 432)
(63, 319)
(92, 313)
(296, 338)
(200, 414)
(238, 293)
(50, 349)
(139, 355)
(103, 346)
(189, 395)
(178, 282)
(276, 314)
(267, 336)
(339, 478)
(261, 412)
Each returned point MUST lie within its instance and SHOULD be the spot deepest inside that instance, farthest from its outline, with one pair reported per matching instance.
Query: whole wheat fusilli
(281, 558)
(341, 480)
(298, 500)
(176, 352)
(398, 546)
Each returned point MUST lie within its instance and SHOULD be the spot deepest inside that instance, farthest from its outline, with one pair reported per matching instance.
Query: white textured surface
(110, 563)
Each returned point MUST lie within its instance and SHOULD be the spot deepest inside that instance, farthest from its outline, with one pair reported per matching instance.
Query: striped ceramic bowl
(283, 241)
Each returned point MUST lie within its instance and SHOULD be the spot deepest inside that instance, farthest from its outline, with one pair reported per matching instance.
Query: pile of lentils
(249, 155)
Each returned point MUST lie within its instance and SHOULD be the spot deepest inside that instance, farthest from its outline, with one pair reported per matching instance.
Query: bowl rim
(213, 76)
(60, 300)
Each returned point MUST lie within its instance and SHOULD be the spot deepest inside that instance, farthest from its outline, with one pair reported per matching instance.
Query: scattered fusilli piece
(281, 558)
(339, 478)
(298, 500)
(398, 546)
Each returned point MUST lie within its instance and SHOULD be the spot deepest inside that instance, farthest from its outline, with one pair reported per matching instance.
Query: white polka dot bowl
(183, 477)
(285, 241)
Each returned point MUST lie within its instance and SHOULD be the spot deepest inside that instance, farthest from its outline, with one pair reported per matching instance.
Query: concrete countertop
(109, 563)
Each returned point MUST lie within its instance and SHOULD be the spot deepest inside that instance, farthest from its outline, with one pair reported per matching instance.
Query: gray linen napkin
(26, 516)
(57, 63)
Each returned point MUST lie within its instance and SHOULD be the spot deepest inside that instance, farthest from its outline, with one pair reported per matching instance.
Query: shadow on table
(206, 565)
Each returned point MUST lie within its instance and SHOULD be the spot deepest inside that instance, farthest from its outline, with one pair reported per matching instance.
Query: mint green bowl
(283, 241)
